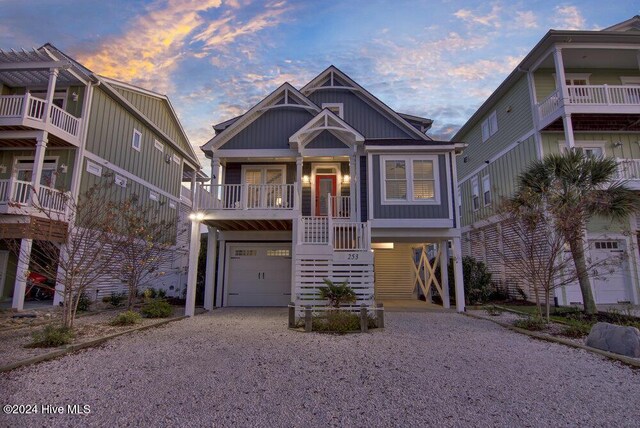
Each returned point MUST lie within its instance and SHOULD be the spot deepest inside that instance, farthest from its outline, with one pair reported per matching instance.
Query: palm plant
(574, 187)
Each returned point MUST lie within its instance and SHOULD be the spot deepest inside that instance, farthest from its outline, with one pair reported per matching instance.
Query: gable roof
(345, 82)
(271, 101)
(326, 120)
(631, 24)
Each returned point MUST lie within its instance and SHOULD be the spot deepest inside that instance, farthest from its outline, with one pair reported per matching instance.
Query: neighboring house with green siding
(574, 89)
(62, 129)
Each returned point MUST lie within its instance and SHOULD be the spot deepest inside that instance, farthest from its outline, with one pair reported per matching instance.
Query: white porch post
(51, 89)
(192, 275)
(444, 273)
(220, 277)
(212, 242)
(458, 275)
(568, 131)
(215, 170)
(299, 161)
(38, 162)
(22, 270)
(352, 188)
(560, 77)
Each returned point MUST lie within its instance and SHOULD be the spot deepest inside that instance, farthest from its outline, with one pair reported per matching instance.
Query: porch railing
(593, 95)
(30, 107)
(341, 206)
(250, 197)
(351, 236)
(314, 230)
(629, 169)
(20, 192)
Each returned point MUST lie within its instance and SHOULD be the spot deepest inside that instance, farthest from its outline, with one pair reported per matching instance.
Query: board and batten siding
(233, 171)
(360, 114)
(157, 110)
(393, 272)
(411, 211)
(545, 82)
(514, 116)
(326, 140)
(503, 173)
(64, 157)
(271, 130)
(630, 149)
(110, 135)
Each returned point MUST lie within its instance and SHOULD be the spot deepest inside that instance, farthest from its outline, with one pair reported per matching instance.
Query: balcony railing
(341, 206)
(30, 107)
(629, 169)
(591, 95)
(20, 192)
(250, 197)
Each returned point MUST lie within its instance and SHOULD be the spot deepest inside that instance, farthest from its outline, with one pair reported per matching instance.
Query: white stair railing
(341, 206)
(314, 230)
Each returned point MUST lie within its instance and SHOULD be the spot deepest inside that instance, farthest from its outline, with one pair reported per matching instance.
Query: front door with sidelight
(325, 185)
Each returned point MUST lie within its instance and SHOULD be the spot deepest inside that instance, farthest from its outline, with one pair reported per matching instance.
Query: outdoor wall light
(196, 216)
(305, 179)
(63, 168)
(346, 179)
(3, 169)
(74, 97)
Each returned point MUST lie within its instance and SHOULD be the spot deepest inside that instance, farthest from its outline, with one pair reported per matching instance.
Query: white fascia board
(256, 153)
(410, 234)
(441, 149)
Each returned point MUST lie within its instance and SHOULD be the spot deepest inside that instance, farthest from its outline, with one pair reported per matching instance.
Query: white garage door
(259, 275)
(610, 277)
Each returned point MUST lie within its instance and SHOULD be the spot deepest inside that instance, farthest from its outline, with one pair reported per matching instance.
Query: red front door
(325, 184)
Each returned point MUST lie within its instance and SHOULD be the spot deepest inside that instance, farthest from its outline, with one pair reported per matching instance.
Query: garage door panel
(259, 275)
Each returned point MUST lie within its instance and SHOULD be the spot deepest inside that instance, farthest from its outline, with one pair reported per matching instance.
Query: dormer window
(335, 108)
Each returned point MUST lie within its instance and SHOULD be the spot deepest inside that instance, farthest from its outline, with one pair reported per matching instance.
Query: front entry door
(325, 184)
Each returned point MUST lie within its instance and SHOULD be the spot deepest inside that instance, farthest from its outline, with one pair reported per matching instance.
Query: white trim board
(409, 159)
(312, 180)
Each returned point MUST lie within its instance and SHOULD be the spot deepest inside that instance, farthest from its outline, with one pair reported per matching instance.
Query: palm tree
(574, 187)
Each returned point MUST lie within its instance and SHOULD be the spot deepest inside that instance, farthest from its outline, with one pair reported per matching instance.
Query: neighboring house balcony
(586, 99)
(31, 112)
(18, 197)
(629, 170)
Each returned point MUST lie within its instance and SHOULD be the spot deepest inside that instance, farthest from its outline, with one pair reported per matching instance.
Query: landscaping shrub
(576, 329)
(478, 285)
(84, 302)
(126, 318)
(156, 308)
(337, 294)
(493, 310)
(115, 299)
(51, 336)
(339, 322)
(150, 293)
(531, 323)
(162, 293)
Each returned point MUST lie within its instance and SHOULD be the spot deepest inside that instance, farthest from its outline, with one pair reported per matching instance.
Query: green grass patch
(51, 336)
(156, 308)
(339, 322)
(531, 324)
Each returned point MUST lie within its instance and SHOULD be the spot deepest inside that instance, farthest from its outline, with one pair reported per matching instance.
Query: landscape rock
(615, 338)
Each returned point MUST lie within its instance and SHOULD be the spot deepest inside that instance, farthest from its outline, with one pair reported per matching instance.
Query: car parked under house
(326, 181)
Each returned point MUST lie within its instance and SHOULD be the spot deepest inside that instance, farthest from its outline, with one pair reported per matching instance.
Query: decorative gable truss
(334, 79)
(286, 96)
(325, 121)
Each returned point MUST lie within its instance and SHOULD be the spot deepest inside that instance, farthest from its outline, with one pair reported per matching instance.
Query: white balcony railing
(29, 107)
(591, 95)
(250, 197)
(341, 206)
(351, 236)
(629, 169)
(20, 192)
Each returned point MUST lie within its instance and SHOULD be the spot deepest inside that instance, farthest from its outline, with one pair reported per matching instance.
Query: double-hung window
(489, 126)
(475, 194)
(486, 190)
(409, 179)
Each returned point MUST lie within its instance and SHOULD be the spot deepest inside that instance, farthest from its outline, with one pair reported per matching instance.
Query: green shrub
(116, 299)
(336, 322)
(576, 329)
(126, 318)
(156, 308)
(531, 323)
(478, 285)
(150, 293)
(84, 302)
(162, 293)
(337, 294)
(493, 310)
(51, 336)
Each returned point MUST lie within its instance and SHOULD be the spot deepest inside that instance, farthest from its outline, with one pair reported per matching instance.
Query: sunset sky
(216, 58)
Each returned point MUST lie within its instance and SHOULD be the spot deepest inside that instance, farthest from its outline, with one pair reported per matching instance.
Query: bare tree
(143, 242)
(72, 252)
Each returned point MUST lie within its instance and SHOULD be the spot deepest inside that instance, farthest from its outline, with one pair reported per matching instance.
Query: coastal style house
(574, 89)
(326, 181)
(62, 128)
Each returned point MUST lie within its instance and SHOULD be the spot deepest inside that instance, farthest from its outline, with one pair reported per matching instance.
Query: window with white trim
(486, 190)
(409, 179)
(489, 126)
(136, 140)
(154, 196)
(94, 168)
(158, 145)
(120, 181)
(335, 108)
(475, 194)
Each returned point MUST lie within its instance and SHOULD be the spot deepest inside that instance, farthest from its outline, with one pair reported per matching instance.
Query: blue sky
(216, 58)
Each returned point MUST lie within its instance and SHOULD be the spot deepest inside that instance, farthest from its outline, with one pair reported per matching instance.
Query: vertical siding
(110, 134)
(411, 211)
(360, 115)
(503, 175)
(514, 120)
(64, 156)
(271, 130)
(630, 149)
(326, 140)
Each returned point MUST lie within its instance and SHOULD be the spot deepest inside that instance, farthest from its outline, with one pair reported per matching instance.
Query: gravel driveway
(242, 367)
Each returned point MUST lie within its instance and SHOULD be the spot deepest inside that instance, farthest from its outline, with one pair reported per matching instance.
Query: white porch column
(51, 89)
(192, 275)
(22, 271)
(220, 277)
(352, 188)
(215, 170)
(458, 275)
(298, 203)
(212, 242)
(444, 273)
(560, 77)
(38, 162)
(568, 131)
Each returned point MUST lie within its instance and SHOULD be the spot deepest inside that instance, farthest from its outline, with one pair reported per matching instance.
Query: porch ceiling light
(3, 169)
(346, 179)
